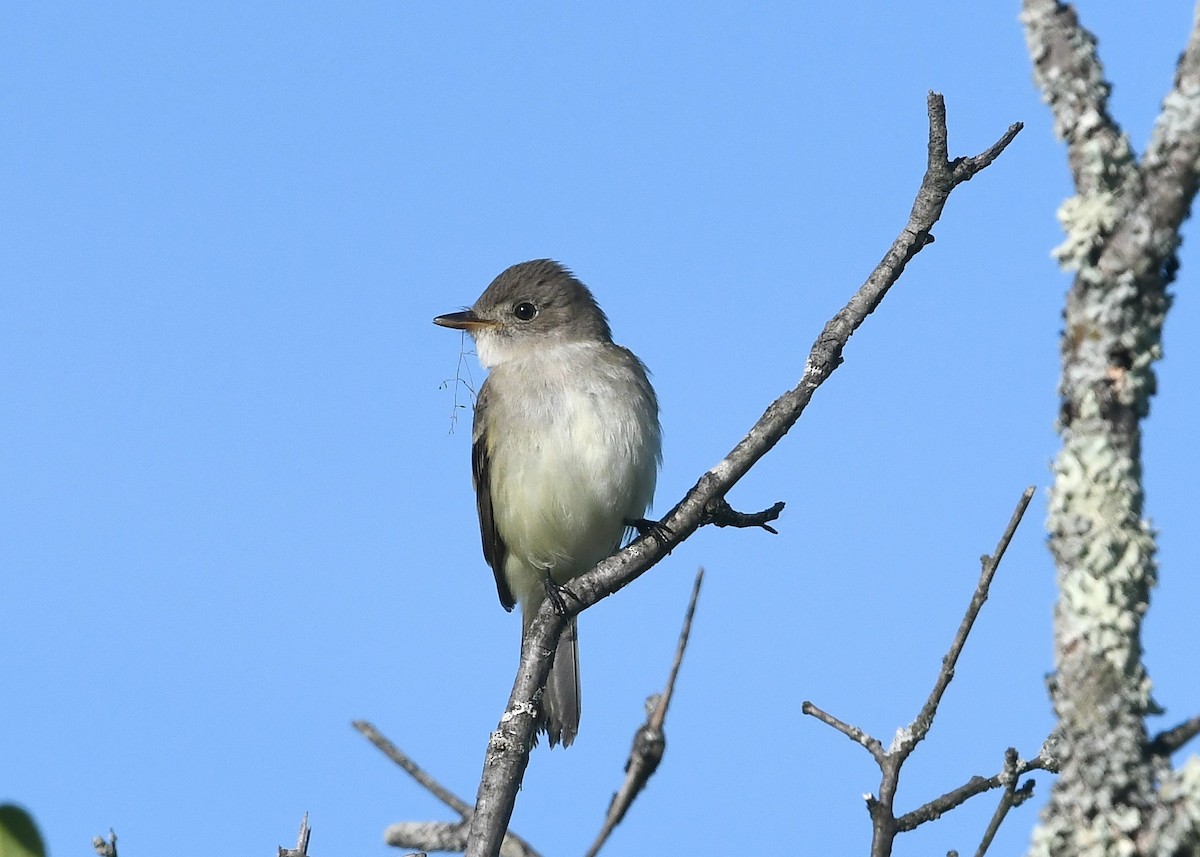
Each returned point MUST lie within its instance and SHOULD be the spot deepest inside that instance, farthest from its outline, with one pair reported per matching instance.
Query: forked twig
(885, 825)
(434, 835)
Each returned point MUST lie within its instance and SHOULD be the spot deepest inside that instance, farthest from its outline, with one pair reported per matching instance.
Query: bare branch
(650, 741)
(450, 836)
(1168, 741)
(966, 169)
(664, 701)
(1010, 798)
(721, 514)
(508, 749)
(885, 826)
(433, 835)
(954, 798)
(301, 849)
(924, 721)
(410, 767)
(858, 736)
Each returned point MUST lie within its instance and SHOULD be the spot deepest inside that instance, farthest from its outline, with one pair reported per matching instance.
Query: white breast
(574, 449)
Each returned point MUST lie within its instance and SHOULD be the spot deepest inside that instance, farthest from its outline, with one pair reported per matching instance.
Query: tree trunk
(1116, 793)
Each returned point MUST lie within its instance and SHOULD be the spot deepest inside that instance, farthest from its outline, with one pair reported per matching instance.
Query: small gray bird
(566, 448)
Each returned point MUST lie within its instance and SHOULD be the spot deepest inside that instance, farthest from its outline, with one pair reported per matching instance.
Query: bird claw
(554, 594)
(645, 527)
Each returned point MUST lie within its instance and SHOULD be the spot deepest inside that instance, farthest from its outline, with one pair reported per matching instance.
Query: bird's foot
(645, 527)
(555, 593)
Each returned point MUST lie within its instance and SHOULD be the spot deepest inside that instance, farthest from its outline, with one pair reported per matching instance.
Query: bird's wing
(494, 549)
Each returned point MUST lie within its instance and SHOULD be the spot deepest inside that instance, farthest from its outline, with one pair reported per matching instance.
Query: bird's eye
(524, 311)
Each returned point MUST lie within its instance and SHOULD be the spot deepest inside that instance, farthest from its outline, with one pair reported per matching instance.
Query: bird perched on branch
(565, 452)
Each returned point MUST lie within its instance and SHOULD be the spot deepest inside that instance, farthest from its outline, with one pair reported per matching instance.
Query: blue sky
(236, 509)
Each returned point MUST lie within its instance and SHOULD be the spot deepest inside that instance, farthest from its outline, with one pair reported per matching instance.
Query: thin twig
(721, 514)
(885, 826)
(433, 835)
(858, 736)
(924, 721)
(650, 741)
(1168, 741)
(660, 711)
(942, 804)
(1008, 799)
(411, 768)
(301, 849)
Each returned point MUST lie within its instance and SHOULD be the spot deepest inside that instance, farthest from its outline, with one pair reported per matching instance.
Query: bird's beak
(467, 321)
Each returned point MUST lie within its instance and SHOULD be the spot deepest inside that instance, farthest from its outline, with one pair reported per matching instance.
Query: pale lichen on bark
(1113, 796)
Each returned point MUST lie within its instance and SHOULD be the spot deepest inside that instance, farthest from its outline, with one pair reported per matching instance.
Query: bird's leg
(554, 594)
(645, 526)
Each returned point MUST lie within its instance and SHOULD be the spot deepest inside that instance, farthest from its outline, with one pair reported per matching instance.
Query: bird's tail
(560, 701)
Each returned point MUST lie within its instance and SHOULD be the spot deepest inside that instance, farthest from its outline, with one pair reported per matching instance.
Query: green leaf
(19, 836)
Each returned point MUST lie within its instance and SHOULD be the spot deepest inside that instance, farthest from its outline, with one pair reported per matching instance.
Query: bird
(566, 447)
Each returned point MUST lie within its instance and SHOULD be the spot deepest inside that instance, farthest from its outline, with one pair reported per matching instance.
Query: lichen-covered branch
(1122, 230)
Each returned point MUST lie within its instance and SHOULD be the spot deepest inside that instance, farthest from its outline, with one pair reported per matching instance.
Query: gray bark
(1116, 794)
